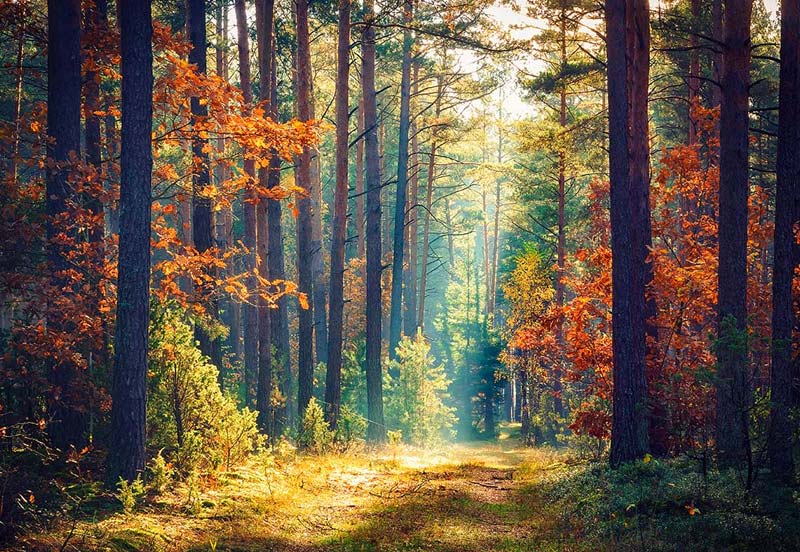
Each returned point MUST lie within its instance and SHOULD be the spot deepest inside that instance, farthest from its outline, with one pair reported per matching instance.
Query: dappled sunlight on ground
(456, 497)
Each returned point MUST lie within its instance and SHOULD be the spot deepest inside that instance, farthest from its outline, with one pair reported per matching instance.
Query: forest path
(460, 498)
(481, 496)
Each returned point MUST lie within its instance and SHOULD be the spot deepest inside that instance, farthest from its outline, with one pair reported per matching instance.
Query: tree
(732, 440)
(376, 431)
(202, 214)
(64, 146)
(127, 451)
(787, 195)
(396, 311)
(305, 370)
(333, 376)
(627, 40)
(249, 310)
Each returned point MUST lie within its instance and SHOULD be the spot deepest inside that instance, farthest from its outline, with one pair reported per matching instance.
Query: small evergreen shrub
(315, 436)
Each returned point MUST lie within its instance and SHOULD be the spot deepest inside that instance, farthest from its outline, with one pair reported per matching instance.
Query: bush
(129, 494)
(315, 436)
(160, 474)
(415, 399)
(351, 427)
(189, 419)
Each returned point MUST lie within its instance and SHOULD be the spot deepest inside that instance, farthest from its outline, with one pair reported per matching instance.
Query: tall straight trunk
(359, 218)
(376, 431)
(426, 229)
(496, 225)
(717, 22)
(396, 309)
(320, 283)
(64, 131)
(561, 243)
(412, 228)
(486, 251)
(629, 439)
(129, 383)
(449, 222)
(249, 310)
(265, 19)
(202, 215)
(333, 377)
(305, 369)
(19, 79)
(787, 196)
(732, 441)
(275, 259)
(694, 72)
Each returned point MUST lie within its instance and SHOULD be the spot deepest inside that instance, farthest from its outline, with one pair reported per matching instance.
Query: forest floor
(479, 496)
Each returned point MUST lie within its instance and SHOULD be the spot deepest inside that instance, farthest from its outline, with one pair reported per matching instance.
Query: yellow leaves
(647, 458)
(35, 126)
(303, 300)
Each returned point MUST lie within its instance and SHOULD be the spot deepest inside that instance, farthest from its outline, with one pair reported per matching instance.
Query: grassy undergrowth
(478, 497)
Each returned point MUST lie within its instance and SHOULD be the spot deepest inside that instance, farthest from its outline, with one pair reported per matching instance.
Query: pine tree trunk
(627, 20)
(64, 130)
(249, 217)
(787, 196)
(305, 369)
(732, 441)
(262, 390)
(333, 377)
(359, 218)
(396, 311)
(129, 385)
(412, 215)
(376, 431)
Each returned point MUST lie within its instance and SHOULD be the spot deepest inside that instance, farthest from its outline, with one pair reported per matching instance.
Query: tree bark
(63, 129)
(333, 383)
(787, 197)
(305, 369)
(202, 215)
(732, 441)
(627, 37)
(129, 385)
(412, 228)
(249, 309)
(396, 309)
(376, 431)
(265, 19)
(359, 218)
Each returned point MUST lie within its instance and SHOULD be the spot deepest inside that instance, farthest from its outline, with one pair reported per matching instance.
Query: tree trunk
(279, 316)
(359, 218)
(320, 296)
(202, 215)
(732, 441)
(426, 229)
(376, 431)
(305, 369)
(249, 309)
(265, 18)
(629, 417)
(64, 130)
(396, 311)
(333, 377)
(129, 386)
(412, 215)
(787, 197)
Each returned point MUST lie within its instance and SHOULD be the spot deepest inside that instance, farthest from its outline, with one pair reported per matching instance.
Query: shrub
(415, 399)
(129, 494)
(314, 436)
(160, 473)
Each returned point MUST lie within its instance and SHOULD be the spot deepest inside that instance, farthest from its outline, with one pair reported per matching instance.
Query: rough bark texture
(376, 431)
(412, 226)
(129, 385)
(265, 18)
(785, 257)
(359, 218)
(305, 368)
(249, 309)
(95, 22)
(63, 127)
(629, 416)
(396, 311)
(732, 443)
(333, 377)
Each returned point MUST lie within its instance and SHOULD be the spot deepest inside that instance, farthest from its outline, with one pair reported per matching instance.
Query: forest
(391, 275)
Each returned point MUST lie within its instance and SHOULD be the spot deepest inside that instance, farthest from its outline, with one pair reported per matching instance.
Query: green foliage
(315, 436)
(189, 418)
(351, 426)
(129, 494)
(654, 504)
(160, 473)
(415, 399)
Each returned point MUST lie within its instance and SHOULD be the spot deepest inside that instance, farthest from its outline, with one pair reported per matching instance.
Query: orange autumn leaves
(684, 197)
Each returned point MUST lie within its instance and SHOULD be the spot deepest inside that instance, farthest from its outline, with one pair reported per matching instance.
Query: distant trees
(127, 450)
